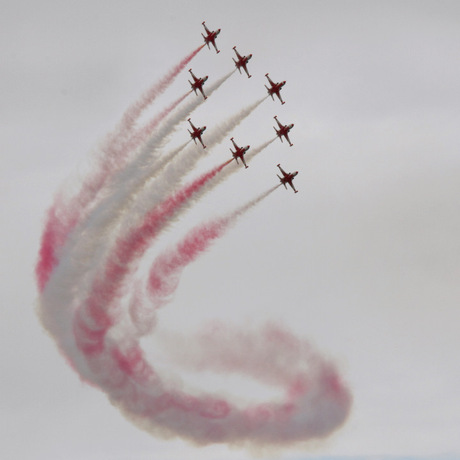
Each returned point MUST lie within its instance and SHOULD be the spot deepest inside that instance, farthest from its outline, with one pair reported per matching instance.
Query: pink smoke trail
(135, 111)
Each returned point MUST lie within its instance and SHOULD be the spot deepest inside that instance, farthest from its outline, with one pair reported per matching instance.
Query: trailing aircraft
(198, 84)
(197, 132)
(211, 37)
(287, 178)
(275, 88)
(242, 62)
(283, 131)
(239, 152)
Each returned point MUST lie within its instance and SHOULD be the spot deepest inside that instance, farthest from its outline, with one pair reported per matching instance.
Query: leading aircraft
(211, 37)
(197, 132)
(242, 62)
(275, 88)
(198, 84)
(287, 178)
(239, 152)
(283, 130)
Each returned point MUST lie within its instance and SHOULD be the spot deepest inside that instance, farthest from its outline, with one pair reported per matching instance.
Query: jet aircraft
(287, 178)
(239, 152)
(275, 88)
(242, 62)
(197, 132)
(283, 131)
(211, 37)
(198, 84)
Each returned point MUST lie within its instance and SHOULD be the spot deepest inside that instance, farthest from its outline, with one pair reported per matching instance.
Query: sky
(363, 262)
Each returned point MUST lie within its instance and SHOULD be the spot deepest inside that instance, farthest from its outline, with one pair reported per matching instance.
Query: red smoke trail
(97, 315)
(163, 278)
(135, 111)
(53, 237)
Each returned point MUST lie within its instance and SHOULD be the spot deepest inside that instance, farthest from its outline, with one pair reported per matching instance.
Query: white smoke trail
(174, 171)
(81, 303)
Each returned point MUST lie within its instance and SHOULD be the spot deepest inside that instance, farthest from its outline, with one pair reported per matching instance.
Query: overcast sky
(364, 261)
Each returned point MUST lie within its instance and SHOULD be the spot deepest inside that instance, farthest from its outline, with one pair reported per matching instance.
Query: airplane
(275, 88)
(287, 178)
(283, 130)
(210, 37)
(239, 152)
(242, 62)
(197, 132)
(198, 84)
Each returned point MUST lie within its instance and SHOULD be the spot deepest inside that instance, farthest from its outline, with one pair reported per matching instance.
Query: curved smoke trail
(91, 247)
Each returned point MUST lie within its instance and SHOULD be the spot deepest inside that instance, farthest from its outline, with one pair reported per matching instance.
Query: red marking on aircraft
(283, 130)
(197, 132)
(211, 37)
(242, 62)
(287, 178)
(239, 152)
(275, 88)
(198, 84)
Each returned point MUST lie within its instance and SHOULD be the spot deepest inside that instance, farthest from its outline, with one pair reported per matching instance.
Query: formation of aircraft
(283, 131)
(287, 178)
(275, 88)
(196, 133)
(242, 62)
(211, 37)
(198, 83)
(239, 152)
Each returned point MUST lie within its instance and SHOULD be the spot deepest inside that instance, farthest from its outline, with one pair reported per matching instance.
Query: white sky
(364, 261)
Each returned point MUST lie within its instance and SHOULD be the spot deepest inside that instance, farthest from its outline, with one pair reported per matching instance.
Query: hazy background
(363, 261)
